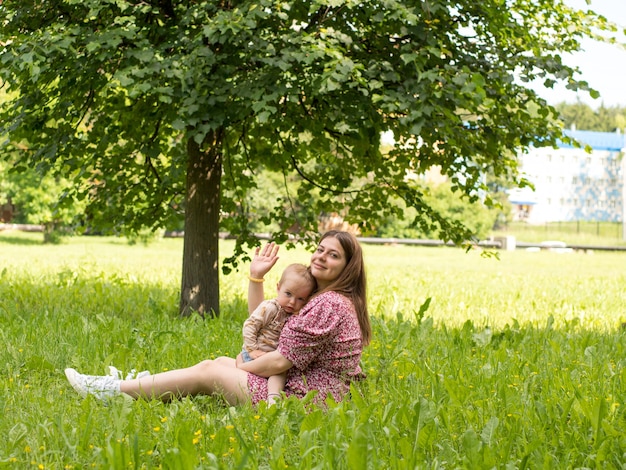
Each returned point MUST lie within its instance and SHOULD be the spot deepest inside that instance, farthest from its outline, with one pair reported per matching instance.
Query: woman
(320, 348)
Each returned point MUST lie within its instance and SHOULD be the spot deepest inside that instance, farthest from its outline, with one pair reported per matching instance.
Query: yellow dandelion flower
(164, 419)
(212, 436)
(257, 417)
(27, 449)
(230, 427)
(198, 432)
(156, 429)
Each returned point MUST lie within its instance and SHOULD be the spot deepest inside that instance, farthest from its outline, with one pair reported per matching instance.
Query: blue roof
(597, 140)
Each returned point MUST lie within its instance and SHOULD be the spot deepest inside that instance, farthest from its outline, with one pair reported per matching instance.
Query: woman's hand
(253, 354)
(263, 260)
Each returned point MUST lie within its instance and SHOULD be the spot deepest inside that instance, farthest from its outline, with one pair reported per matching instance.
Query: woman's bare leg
(207, 378)
(226, 361)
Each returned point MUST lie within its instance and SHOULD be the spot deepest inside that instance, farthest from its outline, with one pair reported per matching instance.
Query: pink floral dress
(324, 343)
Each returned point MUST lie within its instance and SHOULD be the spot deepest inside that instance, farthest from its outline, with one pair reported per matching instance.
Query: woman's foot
(100, 386)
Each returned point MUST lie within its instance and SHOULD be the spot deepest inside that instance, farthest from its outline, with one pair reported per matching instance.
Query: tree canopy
(158, 107)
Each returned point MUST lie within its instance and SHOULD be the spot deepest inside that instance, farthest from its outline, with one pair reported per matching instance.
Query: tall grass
(475, 363)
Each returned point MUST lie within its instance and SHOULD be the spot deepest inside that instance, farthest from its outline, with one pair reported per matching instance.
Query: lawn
(475, 363)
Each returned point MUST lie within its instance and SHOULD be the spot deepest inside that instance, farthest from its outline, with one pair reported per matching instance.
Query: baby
(262, 329)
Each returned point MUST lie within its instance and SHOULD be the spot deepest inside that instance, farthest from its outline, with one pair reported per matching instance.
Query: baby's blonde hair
(298, 269)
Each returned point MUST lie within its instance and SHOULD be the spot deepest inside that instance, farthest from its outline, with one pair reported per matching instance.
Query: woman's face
(328, 261)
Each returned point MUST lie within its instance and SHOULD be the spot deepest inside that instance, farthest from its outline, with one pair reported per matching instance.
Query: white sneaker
(115, 373)
(100, 386)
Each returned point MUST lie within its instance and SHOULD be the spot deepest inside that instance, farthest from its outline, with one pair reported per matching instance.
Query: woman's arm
(262, 261)
(272, 363)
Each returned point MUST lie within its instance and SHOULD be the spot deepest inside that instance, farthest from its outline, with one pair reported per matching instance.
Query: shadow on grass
(16, 240)
(70, 292)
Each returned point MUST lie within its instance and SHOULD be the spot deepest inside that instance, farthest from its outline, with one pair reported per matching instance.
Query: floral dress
(324, 344)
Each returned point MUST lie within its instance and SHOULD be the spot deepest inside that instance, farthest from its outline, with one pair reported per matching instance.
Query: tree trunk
(200, 280)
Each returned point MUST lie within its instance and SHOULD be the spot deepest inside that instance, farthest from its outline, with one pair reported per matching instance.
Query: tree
(583, 117)
(158, 106)
(476, 217)
(35, 197)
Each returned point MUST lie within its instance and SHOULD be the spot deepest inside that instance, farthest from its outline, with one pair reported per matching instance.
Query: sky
(603, 66)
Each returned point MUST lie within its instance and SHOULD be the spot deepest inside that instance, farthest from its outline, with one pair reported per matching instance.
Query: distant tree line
(583, 117)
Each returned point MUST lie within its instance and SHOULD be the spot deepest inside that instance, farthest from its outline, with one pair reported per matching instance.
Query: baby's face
(293, 294)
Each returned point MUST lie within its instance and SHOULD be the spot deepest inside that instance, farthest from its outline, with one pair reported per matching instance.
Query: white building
(571, 184)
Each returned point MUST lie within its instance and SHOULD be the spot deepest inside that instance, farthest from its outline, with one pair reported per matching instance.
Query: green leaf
(489, 431)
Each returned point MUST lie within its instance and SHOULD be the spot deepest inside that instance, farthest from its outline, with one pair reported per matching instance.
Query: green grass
(573, 233)
(475, 363)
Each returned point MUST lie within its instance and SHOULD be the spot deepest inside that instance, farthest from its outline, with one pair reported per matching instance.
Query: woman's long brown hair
(352, 282)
